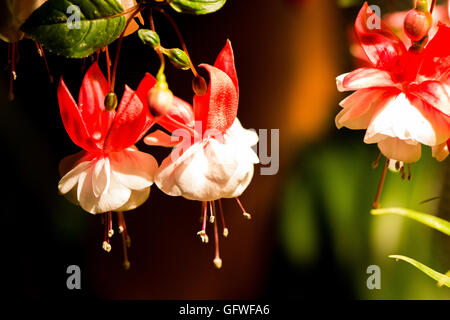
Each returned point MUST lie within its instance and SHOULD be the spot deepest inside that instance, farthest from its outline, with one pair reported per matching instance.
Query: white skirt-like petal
(118, 181)
(210, 169)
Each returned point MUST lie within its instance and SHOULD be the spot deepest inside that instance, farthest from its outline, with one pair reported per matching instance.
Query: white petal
(71, 178)
(134, 169)
(400, 119)
(339, 80)
(396, 149)
(359, 108)
(137, 198)
(101, 177)
(85, 193)
(116, 196)
(210, 169)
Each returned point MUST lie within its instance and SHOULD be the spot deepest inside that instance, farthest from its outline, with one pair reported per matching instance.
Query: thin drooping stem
(157, 49)
(108, 66)
(136, 9)
(13, 75)
(433, 4)
(180, 38)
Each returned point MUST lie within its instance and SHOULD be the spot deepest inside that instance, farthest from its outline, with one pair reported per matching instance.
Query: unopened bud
(159, 101)
(199, 85)
(111, 101)
(417, 24)
(178, 58)
(149, 37)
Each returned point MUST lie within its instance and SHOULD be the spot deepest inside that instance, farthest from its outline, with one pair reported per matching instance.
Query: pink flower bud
(159, 101)
(417, 24)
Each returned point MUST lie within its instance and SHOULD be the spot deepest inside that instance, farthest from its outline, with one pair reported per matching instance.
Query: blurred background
(311, 235)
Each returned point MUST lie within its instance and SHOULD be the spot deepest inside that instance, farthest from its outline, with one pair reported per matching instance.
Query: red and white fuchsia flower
(110, 174)
(403, 99)
(213, 157)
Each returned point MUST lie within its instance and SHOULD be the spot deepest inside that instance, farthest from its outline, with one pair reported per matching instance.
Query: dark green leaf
(197, 6)
(53, 26)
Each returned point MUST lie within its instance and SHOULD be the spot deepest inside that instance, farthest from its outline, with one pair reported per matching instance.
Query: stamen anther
(106, 246)
(218, 263)
(203, 236)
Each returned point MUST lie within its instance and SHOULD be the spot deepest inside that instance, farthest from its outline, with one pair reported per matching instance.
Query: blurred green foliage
(331, 188)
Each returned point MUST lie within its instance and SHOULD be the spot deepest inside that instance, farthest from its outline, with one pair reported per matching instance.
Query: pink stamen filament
(225, 229)
(212, 215)
(217, 259)
(245, 213)
(376, 203)
(42, 54)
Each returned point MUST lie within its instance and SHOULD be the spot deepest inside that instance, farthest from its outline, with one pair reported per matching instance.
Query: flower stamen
(376, 162)
(202, 233)
(217, 259)
(225, 229)
(106, 220)
(212, 215)
(245, 213)
(376, 203)
(42, 54)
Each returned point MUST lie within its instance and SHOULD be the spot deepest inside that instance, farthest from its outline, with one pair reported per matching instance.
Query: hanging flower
(110, 174)
(213, 158)
(403, 98)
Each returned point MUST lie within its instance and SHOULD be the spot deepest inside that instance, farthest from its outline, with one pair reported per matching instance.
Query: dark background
(311, 235)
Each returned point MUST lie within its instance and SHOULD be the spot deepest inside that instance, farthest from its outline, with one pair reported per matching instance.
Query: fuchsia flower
(403, 99)
(110, 174)
(213, 158)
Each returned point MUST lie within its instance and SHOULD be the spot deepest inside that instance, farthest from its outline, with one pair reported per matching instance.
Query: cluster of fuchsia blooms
(212, 156)
(402, 96)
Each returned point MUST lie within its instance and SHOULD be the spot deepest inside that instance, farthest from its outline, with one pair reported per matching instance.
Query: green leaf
(53, 25)
(196, 6)
(429, 220)
(441, 278)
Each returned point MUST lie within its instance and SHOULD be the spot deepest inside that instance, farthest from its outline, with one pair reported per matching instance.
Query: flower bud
(178, 58)
(199, 85)
(149, 37)
(159, 101)
(110, 101)
(417, 24)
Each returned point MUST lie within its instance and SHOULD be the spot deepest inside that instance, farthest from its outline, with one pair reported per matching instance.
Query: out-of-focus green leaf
(349, 3)
(197, 6)
(441, 278)
(429, 220)
(56, 26)
(298, 223)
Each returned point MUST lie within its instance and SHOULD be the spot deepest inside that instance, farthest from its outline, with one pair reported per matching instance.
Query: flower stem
(180, 37)
(433, 4)
(138, 8)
